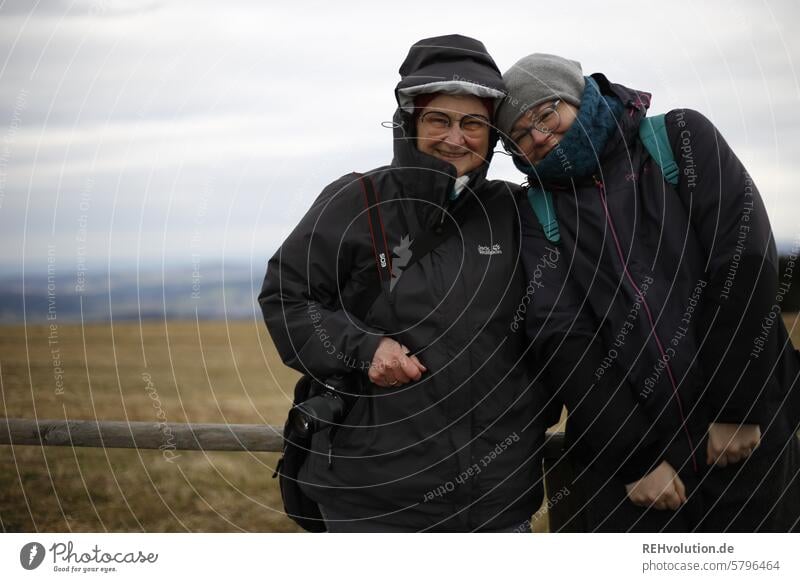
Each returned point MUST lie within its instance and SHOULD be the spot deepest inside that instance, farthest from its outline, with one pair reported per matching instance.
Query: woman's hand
(731, 443)
(392, 365)
(661, 489)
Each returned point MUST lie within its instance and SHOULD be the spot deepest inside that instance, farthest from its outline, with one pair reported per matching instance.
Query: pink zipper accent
(601, 188)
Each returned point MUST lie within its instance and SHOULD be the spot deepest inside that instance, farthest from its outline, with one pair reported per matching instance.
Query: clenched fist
(731, 443)
(661, 489)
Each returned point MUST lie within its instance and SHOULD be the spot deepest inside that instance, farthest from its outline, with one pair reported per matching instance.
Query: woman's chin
(463, 164)
(538, 158)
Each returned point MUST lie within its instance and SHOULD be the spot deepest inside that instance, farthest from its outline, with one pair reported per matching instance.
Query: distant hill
(208, 292)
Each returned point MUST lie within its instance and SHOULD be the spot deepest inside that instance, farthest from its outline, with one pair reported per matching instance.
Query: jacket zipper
(331, 434)
(439, 227)
(447, 203)
(602, 191)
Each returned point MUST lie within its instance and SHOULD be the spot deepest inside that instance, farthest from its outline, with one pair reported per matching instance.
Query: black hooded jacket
(459, 449)
(665, 314)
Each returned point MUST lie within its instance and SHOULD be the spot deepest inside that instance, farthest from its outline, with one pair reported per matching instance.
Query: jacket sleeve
(731, 223)
(300, 298)
(604, 416)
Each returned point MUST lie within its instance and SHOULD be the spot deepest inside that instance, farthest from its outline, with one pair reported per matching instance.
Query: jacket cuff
(366, 350)
(732, 415)
(641, 462)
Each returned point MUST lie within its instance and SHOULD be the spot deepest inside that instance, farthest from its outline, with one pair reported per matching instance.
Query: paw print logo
(402, 254)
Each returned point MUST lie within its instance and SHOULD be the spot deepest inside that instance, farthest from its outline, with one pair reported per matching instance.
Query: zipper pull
(330, 456)
(439, 227)
(278, 468)
(599, 183)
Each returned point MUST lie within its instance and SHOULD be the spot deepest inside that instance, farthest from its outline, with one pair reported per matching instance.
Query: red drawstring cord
(601, 188)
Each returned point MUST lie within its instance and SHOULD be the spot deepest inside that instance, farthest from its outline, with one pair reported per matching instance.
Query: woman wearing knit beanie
(658, 324)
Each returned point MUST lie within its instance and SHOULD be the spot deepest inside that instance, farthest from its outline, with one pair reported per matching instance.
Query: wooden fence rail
(230, 437)
(114, 434)
(140, 435)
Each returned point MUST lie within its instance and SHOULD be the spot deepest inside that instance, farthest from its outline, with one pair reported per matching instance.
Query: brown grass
(211, 372)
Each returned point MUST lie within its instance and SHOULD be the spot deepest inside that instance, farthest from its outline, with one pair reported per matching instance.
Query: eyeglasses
(546, 121)
(438, 123)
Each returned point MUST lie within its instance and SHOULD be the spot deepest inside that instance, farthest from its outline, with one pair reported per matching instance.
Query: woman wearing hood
(443, 434)
(661, 328)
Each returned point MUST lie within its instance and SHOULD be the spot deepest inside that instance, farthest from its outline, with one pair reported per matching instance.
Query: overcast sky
(161, 129)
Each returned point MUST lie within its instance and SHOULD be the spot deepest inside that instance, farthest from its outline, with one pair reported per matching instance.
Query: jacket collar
(636, 103)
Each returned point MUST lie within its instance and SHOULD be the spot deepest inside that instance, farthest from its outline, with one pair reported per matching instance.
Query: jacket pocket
(354, 435)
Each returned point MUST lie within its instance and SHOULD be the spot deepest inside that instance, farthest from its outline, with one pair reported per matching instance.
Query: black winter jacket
(459, 449)
(664, 315)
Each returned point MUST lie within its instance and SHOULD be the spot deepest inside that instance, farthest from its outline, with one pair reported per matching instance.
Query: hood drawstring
(440, 225)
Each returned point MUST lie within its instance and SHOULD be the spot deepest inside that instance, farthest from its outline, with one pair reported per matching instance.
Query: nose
(455, 135)
(539, 137)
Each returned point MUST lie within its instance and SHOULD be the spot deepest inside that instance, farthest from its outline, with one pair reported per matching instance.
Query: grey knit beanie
(535, 79)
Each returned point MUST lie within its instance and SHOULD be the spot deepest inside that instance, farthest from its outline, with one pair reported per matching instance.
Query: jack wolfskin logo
(31, 555)
(402, 254)
(490, 250)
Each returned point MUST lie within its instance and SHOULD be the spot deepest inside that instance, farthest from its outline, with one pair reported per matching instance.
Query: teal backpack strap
(542, 204)
(653, 133)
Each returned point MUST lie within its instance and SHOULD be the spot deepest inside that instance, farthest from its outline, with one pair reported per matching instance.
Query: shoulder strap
(653, 133)
(542, 203)
(420, 246)
(428, 240)
(380, 246)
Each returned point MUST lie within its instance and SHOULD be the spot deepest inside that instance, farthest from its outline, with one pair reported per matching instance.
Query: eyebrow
(531, 113)
(481, 115)
(542, 106)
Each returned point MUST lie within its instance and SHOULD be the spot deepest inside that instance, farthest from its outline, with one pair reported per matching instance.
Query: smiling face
(455, 129)
(534, 144)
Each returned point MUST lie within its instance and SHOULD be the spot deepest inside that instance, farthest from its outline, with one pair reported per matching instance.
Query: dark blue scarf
(576, 155)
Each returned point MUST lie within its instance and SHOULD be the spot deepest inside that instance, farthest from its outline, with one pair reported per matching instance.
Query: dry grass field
(207, 372)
